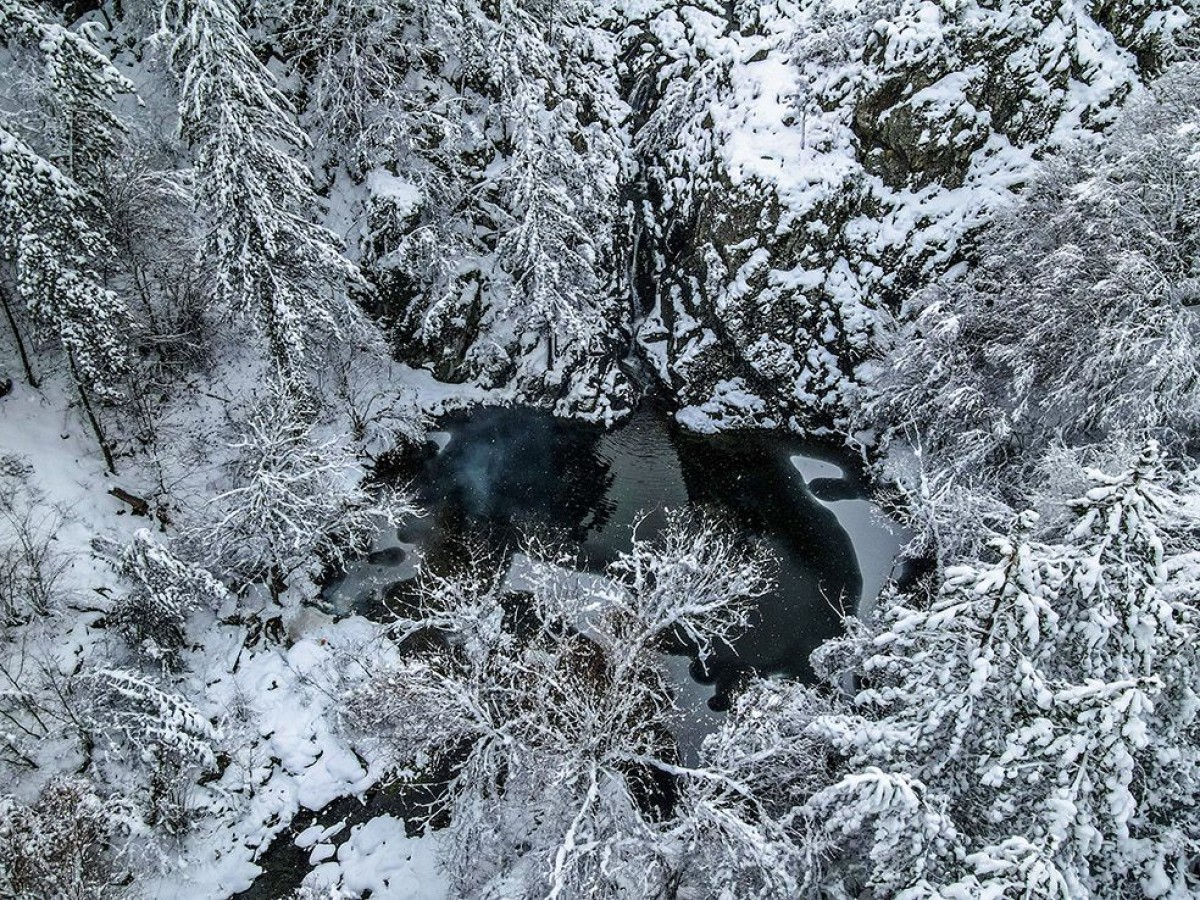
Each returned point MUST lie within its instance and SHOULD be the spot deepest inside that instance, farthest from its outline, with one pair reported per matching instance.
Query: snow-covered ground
(272, 696)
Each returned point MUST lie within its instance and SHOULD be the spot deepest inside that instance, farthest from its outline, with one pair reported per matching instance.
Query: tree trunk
(30, 378)
(277, 584)
(91, 414)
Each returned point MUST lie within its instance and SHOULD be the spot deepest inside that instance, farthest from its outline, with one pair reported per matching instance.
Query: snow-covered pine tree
(510, 152)
(81, 84)
(1047, 703)
(131, 712)
(562, 119)
(1129, 726)
(53, 246)
(271, 260)
(50, 228)
(353, 57)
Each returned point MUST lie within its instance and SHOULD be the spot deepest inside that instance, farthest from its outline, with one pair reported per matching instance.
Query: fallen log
(137, 505)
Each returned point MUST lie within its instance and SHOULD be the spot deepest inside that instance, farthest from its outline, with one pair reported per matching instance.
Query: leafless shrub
(31, 566)
(62, 846)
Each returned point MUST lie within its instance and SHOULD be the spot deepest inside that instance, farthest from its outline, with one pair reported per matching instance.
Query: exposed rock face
(742, 191)
(808, 167)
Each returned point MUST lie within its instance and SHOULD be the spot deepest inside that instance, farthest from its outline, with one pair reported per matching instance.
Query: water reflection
(750, 478)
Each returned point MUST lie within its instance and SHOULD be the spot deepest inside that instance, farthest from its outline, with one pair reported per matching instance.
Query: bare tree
(30, 565)
(296, 499)
(552, 711)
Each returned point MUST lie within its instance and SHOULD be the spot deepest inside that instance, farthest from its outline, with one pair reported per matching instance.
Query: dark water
(504, 472)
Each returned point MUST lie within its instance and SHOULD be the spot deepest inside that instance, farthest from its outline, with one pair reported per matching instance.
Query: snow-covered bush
(64, 845)
(737, 819)
(296, 500)
(153, 615)
(696, 580)
(306, 892)
(154, 237)
(383, 415)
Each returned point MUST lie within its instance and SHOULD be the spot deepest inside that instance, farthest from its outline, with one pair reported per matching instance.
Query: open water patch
(500, 473)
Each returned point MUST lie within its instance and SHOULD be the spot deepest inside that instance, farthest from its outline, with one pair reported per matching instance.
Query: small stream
(499, 473)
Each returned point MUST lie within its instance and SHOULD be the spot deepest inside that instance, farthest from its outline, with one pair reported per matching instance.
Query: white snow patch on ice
(877, 539)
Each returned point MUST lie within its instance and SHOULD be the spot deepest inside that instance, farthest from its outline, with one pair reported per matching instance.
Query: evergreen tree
(47, 233)
(560, 191)
(505, 257)
(357, 59)
(81, 83)
(50, 227)
(271, 260)
(1048, 702)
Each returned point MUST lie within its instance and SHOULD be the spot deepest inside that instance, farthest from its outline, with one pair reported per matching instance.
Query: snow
(811, 467)
(876, 538)
(402, 194)
(437, 398)
(378, 857)
(773, 329)
(68, 472)
(732, 406)
(279, 707)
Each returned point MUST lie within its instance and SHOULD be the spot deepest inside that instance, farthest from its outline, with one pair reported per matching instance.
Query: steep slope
(809, 164)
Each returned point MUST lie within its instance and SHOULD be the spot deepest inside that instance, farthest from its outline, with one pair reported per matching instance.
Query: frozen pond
(500, 472)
